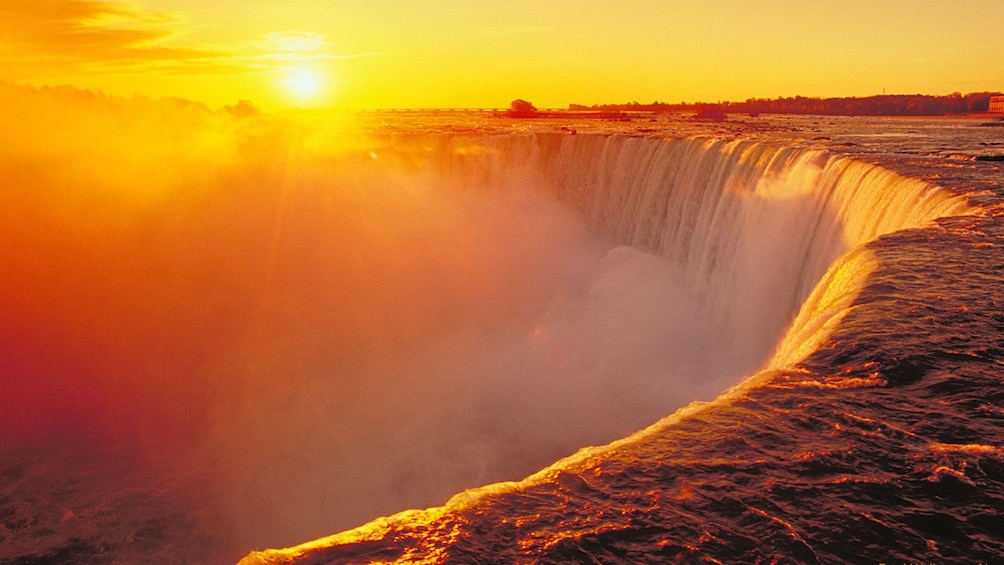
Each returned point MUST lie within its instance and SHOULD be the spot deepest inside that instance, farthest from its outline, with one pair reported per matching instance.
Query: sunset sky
(459, 53)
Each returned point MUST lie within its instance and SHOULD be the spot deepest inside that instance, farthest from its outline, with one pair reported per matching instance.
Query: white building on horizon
(996, 105)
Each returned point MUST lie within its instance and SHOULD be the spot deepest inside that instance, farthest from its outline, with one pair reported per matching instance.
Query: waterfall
(753, 226)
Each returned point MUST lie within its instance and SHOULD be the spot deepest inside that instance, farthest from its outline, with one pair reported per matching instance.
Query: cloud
(95, 34)
(298, 41)
(291, 46)
(104, 36)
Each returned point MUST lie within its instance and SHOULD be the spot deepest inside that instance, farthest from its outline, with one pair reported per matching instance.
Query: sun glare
(303, 84)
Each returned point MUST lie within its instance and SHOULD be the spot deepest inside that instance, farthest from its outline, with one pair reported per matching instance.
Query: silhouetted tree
(520, 108)
(978, 101)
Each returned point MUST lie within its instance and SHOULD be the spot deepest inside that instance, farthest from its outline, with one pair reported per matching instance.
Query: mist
(309, 329)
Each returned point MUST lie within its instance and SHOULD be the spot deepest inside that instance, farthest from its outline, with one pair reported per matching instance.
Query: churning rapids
(221, 335)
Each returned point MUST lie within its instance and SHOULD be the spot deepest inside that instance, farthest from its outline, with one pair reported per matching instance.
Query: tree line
(879, 105)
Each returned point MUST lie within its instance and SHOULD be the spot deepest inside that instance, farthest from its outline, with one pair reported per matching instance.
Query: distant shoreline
(974, 104)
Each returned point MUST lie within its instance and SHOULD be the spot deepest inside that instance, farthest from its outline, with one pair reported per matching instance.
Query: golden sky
(466, 53)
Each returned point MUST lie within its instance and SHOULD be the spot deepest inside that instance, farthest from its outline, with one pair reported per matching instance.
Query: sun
(304, 84)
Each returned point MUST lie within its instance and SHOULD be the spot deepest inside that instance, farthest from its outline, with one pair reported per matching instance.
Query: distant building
(996, 105)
